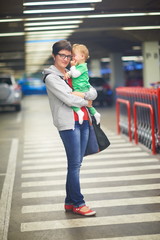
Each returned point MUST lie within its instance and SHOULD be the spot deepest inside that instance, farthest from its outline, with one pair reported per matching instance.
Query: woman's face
(62, 59)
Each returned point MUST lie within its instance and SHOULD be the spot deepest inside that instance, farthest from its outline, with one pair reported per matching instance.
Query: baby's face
(78, 56)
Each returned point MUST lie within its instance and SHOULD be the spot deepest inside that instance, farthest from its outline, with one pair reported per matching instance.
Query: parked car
(105, 93)
(32, 86)
(10, 92)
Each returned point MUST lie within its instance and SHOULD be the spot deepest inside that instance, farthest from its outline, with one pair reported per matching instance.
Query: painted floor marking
(92, 180)
(90, 171)
(63, 160)
(94, 221)
(137, 237)
(61, 149)
(48, 147)
(19, 117)
(128, 188)
(86, 164)
(94, 204)
(6, 196)
(96, 156)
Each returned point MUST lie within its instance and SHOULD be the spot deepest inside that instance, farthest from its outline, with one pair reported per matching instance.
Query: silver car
(10, 92)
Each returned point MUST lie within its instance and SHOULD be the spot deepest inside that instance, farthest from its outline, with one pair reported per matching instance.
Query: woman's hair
(61, 45)
(82, 48)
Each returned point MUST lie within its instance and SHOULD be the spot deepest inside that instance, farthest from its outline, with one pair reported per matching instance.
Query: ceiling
(100, 29)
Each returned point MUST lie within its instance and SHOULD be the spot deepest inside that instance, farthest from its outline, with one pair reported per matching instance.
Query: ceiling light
(94, 16)
(55, 18)
(58, 10)
(106, 59)
(154, 13)
(53, 23)
(59, 2)
(122, 15)
(12, 20)
(11, 34)
(46, 35)
(141, 28)
(43, 40)
(50, 28)
(49, 32)
(132, 58)
(136, 48)
(116, 15)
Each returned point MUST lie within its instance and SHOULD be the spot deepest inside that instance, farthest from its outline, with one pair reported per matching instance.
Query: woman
(73, 134)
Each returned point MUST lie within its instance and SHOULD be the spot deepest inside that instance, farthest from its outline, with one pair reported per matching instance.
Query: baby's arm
(74, 72)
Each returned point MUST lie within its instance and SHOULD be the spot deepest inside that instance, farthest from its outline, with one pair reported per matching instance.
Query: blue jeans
(75, 142)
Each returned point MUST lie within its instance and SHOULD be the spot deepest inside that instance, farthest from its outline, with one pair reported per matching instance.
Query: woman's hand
(79, 94)
(66, 76)
(89, 103)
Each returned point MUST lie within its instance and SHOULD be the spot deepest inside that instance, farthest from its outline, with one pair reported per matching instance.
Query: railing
(142, 121)
(127, 103)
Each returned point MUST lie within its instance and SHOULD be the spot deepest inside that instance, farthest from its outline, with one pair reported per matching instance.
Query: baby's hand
(73, 62)
(66, 76)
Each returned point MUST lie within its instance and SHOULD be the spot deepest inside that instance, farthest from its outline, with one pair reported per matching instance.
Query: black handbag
(97, 141)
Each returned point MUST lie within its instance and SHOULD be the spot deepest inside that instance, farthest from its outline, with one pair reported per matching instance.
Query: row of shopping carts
(138, 115)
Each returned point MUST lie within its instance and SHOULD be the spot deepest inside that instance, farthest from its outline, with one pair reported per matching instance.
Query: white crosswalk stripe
(99, 163)
(91, 171)
(94, 190)
(138, 237)
(85, 222)
(131, 171)
(94, 204)
(127, 153)
(93, 180)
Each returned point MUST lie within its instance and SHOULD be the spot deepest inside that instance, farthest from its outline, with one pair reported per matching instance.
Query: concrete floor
(121, 183)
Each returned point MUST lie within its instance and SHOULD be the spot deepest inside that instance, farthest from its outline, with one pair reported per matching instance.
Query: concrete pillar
(151, 58)
(95, 68)
(117, 73)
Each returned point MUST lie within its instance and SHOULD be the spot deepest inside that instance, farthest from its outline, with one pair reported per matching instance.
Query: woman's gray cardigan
(61, 100)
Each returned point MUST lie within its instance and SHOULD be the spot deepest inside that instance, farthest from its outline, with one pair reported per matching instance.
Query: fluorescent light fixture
(42, 40)
(12, 20)
(94, 16)
(50, 28)
(136, 48)
(46, 36)
(116, 15)
(154, 13)
(106, 59)
(53, 23)
(49, 32)
(58, 10)
(122, 15)
(141, 28)
(55, 18)
(14, 34)
(132, 58)
(59, 2)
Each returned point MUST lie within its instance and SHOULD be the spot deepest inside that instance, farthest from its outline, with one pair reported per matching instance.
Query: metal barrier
(144, 105)
(127, 103)
(147, 133)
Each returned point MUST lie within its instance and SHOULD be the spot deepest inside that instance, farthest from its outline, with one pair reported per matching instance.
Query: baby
(80, 78)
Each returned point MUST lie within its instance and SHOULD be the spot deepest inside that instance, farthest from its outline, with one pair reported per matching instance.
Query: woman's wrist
(79, 94)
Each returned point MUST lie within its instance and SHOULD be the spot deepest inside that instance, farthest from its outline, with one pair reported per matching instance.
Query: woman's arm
(91, 94)
(62, 91)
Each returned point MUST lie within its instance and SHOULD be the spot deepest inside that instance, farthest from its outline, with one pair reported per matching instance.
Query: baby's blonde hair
(82, 48)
